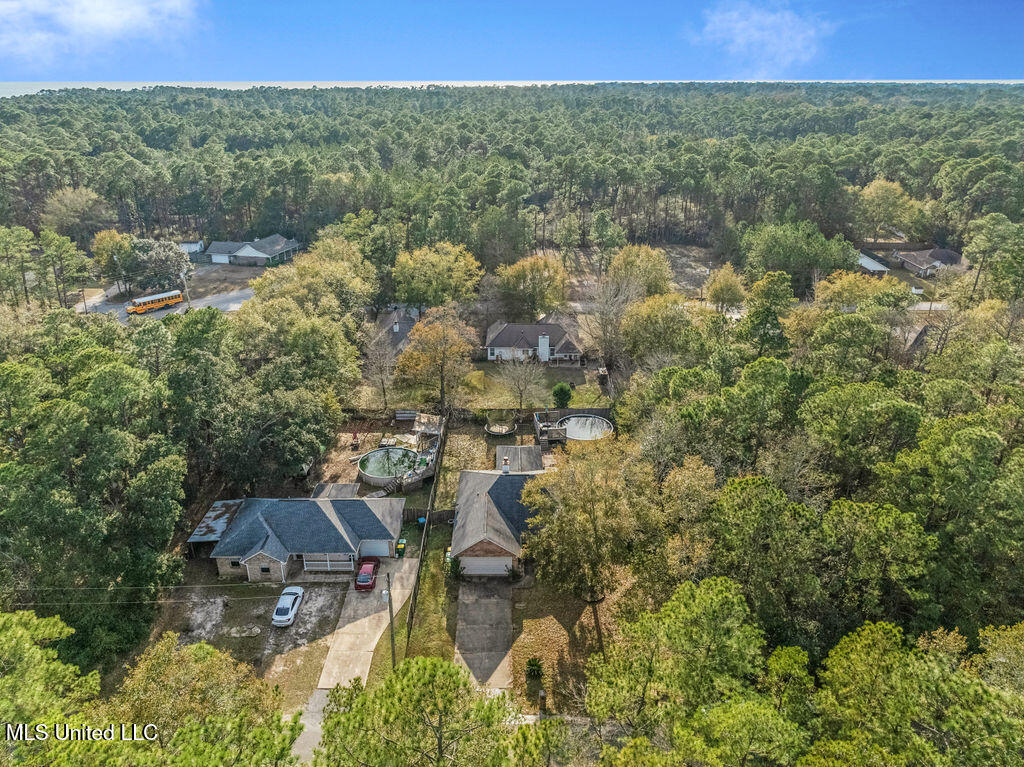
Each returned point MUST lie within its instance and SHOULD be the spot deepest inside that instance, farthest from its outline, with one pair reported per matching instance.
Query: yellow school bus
(152, 303)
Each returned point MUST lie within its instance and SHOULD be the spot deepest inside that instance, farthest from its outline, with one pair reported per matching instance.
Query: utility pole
(391, 619)
(184, 282)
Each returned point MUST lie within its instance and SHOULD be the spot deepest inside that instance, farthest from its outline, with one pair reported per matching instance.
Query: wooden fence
(411, 616)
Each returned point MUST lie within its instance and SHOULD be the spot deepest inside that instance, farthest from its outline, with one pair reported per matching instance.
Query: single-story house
(543, 341)
(395, 326)
(871, 263)
(274, 539)
(490, 519)
(925, 263)
(268, 251)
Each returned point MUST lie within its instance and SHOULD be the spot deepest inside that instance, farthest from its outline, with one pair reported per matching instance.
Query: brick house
(276, 539)
(490, 519)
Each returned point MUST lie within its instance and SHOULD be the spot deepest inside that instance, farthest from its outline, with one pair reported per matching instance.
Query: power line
(117, 588)
(129, 602)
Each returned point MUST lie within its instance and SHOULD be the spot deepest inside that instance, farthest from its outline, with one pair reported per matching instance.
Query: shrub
(562, 394)
(534, 668)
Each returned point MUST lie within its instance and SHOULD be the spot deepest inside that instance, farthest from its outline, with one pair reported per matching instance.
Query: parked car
(288, 606)
(366, 579)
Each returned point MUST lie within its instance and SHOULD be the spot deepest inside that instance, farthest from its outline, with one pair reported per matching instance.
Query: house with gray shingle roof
(278, 539)
(490, 518)
(543, 341)
(268, 251)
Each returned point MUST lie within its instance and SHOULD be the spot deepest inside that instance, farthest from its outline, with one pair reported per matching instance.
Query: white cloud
(40, 30)
(764, 40)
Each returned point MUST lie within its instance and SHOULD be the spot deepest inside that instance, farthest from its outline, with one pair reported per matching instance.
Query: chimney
(543, 347)
(504, 465)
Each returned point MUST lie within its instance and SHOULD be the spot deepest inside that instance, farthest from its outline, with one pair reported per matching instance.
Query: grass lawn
(560, 630)
(467, 448)
(483, 389)
(433, 631)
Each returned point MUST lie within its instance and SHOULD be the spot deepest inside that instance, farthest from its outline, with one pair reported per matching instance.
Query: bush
(514, 574)
(534, 668)
(562, 394)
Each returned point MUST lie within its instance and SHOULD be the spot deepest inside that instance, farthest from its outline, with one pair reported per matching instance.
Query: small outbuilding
(520, 458)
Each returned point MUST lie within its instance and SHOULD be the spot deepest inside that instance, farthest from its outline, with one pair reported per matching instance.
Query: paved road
(483, 632)
(364, 618)
(226, 302)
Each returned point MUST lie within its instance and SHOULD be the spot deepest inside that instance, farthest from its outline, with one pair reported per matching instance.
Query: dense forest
(811, 516)
(504, 169)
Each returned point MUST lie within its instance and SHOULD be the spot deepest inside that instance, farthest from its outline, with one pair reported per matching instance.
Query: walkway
(483, 632)
(364, 619)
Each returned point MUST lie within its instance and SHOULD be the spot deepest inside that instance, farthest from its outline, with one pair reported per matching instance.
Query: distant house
(543, 341)
(268, 251)
(395, 326)
(490, 518)
(872, 264)
(925, 263)
(193, 249)
(278, 539)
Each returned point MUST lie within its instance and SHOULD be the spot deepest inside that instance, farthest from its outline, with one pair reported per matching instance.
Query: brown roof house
(925, 263)
(280, 539)
(490, 518)
(547, 342)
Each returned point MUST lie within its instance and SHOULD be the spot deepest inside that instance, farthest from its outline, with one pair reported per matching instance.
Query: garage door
(221, 259)
(486, 565)
(375, 549)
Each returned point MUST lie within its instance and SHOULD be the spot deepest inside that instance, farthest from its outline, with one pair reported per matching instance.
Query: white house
(543, 341)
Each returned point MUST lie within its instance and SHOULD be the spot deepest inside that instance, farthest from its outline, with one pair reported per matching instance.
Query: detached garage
(489, 521)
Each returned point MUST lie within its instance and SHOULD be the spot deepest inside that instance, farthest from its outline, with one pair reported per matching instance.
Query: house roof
(268, 246)
(336, 490)
(520, 457)
(517, 335)
(922, 259)
(869, 261)
(215, 521)
(274, 244)
(487, 508)
(280, 527)
(397, 338)
(219, 248)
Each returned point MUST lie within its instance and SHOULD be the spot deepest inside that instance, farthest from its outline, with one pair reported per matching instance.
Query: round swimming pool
(380, 466)
(585, 427)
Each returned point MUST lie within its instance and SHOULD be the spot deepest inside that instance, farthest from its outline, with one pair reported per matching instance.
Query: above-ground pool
(583, 427)
(380, 466)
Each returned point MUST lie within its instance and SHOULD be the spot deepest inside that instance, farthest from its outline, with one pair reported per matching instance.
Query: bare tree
(524, 378)
(603, 324)
(379, 365)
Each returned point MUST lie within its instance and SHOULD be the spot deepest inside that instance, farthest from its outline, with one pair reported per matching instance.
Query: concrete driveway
(483, 633)
(364, 618)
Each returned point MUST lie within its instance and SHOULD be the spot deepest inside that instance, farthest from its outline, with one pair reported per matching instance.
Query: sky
(522, 40)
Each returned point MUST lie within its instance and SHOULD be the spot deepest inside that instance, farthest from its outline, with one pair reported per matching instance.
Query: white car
(288, 606)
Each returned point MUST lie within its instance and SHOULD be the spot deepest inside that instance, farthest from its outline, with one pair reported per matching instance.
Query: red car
(367, 576)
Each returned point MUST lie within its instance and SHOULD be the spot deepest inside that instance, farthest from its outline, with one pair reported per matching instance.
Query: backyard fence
(411, 615)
